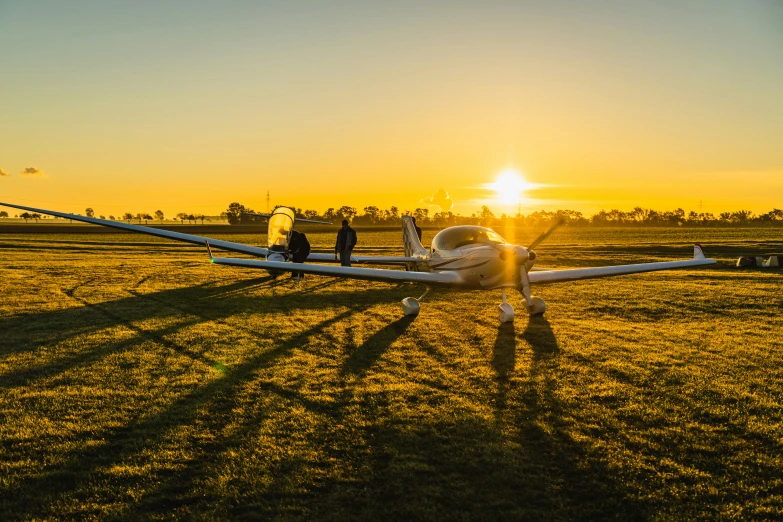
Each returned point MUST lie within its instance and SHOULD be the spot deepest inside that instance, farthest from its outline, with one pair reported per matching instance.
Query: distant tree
(373, 214)
(103, 217)
(330, 214)
(146, 217)
(486, 215)
(773, 216)
(111, 217)
(346, 212)
(89, 212)
(201, 217)
(741, 217)
(127, 217)
(311, 214)
(421, 215)
(192, 218)
(182, 217)
(235, 212)
(3, 214)
(36, 216)
(25, 216)
(159, 215)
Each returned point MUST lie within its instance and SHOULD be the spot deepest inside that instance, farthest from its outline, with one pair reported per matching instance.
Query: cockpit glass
(457, 237)
(280, 225)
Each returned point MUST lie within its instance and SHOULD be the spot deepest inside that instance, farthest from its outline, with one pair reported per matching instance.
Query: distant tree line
(236, 214)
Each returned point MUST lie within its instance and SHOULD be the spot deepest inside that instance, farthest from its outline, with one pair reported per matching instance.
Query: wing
(448, 279)
(557, 276)
(199, 240)
(378, 260)
(177, 236)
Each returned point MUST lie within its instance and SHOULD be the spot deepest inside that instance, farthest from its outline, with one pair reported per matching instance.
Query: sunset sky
(190, 105)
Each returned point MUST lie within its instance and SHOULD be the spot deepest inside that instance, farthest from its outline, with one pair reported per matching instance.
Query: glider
(462, 257)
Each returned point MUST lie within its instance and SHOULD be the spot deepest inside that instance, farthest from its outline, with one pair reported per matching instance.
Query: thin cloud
(32, 172)
(440, 199)
(3, 174)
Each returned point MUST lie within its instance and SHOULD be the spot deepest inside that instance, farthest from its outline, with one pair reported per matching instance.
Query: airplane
(461, 257)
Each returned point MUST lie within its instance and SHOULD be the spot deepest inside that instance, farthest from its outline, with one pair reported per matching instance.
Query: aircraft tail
(410, 239)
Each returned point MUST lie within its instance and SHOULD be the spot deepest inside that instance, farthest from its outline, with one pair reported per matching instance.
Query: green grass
(138, 381)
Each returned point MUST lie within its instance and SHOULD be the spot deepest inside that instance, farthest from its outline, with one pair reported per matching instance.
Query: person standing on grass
(299, 247)
(346, 240)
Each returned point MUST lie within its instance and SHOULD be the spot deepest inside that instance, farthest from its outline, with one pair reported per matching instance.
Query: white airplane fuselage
(479, 267)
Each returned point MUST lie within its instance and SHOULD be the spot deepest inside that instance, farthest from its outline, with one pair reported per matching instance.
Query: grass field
(140, 382)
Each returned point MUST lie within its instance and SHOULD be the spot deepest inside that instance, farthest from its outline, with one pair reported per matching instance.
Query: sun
(510, 187)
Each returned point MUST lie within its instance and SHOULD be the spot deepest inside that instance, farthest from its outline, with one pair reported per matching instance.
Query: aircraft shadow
(362, 359)
(522, 465)
(178, 308)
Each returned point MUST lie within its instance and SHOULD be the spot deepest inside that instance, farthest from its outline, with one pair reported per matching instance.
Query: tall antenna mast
(267, 202)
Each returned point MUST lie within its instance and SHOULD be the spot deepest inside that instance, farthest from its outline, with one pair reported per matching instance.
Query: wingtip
(209, 251)
(698, 252)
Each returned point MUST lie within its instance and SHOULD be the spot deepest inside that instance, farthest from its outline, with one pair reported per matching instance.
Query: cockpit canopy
(456, 237)
(280, 225)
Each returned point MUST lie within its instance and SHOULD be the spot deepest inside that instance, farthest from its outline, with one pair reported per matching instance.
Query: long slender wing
(557, 276)
(370, 274)
(378, 260)
(199, 240)
(177, 236)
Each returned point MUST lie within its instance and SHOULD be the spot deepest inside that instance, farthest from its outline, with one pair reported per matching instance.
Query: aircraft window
(457, 237)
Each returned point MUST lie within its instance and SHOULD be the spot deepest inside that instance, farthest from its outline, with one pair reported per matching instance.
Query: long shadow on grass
(374, 347)
(184, 307)
(525, 465)
(504, 358)
(571, 473)
(37, 496)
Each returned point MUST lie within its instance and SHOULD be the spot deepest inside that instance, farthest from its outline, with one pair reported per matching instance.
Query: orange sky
(138, 107)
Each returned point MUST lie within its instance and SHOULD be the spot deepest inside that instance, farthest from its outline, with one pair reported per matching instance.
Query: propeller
(558, 221)
(518, 259)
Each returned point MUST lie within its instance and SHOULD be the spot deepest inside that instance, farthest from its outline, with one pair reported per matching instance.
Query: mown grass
(140, 382)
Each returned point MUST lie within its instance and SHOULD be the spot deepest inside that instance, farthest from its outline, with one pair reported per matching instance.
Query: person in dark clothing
(346, 240)
(418, 230)
(299, 247)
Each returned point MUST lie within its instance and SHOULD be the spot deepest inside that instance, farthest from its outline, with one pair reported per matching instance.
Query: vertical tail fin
(410, 239)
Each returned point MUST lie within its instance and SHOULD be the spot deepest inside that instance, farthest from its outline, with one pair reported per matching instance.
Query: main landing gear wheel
(537, 306)
(410, 305)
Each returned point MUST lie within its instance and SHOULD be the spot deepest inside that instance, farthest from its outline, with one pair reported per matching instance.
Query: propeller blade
(559, 221)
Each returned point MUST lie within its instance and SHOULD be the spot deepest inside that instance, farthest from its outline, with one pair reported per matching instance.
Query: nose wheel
(505, 310)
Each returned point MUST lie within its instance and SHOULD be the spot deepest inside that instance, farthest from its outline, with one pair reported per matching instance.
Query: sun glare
(510, 187)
